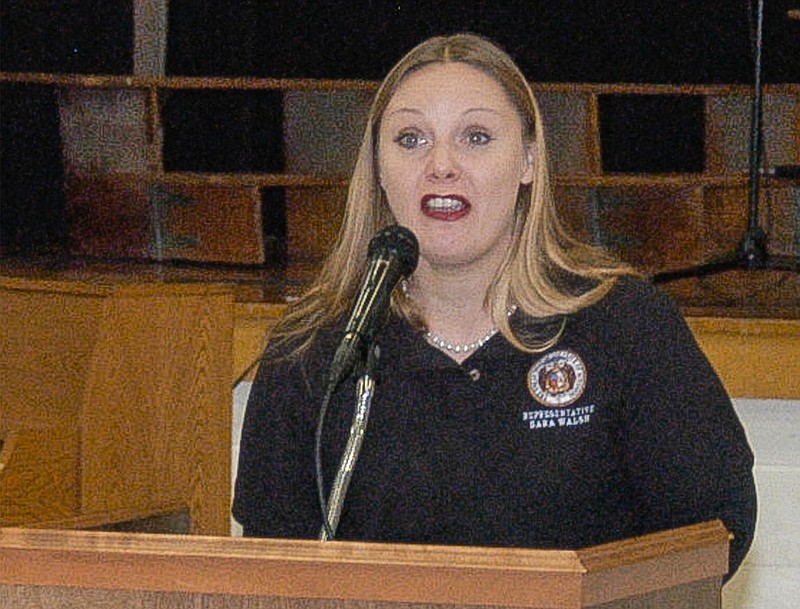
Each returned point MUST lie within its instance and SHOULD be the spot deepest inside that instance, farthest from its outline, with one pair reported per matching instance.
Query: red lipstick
(445, 207)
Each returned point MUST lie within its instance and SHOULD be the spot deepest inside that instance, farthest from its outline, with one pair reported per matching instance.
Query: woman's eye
(478, 138)
(410, 140)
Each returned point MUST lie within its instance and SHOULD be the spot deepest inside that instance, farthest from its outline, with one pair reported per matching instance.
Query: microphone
(393, 254)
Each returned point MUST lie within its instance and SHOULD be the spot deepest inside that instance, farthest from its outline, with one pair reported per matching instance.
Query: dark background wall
(556, 40)
(559, 40)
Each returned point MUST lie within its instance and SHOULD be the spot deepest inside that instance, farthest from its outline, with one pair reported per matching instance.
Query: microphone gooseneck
(393, 254)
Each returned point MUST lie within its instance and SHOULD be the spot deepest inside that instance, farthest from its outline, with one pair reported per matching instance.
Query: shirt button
(475, 374)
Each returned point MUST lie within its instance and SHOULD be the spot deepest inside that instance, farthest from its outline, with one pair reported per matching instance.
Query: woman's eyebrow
(404, 110)
(417, 111)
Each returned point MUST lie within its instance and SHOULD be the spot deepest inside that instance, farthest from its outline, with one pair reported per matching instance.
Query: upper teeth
(445, 203)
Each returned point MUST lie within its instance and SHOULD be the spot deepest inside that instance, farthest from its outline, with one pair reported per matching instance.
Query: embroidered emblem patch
(557, 379)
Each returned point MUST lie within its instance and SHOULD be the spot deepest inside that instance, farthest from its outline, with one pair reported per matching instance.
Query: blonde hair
(546, 273)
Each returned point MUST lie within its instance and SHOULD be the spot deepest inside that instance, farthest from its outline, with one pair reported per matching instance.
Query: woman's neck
(452, 303)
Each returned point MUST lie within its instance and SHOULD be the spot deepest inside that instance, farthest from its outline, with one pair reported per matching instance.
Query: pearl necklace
(438, 341)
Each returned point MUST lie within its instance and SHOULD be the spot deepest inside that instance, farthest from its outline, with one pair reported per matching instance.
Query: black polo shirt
(621, 428)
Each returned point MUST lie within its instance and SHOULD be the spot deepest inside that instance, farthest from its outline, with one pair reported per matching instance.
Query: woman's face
(451, 159)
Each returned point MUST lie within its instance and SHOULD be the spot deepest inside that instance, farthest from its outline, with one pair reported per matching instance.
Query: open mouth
(445, 207)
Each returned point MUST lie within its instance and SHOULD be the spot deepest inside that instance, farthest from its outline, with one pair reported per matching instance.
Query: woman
(532, 391)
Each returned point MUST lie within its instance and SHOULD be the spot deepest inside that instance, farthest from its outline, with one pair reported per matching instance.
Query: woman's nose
(442, 163)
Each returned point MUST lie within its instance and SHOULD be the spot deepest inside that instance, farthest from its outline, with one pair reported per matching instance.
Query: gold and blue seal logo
(557, 379)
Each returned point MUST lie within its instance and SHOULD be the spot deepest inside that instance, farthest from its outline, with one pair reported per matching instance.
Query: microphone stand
(752, 253)
(364, 391)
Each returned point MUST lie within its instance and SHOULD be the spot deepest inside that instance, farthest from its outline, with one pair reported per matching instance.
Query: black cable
(323, 503)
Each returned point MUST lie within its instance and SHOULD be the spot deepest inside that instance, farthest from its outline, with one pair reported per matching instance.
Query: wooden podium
(679, 569)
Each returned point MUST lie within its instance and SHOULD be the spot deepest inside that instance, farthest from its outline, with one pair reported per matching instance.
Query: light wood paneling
(118, 398)
(756, 358)
(252, 322)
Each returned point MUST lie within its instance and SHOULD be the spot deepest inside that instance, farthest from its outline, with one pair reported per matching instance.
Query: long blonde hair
(546, 273)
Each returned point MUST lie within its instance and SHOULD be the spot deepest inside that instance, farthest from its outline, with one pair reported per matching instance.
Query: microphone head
(399, 242)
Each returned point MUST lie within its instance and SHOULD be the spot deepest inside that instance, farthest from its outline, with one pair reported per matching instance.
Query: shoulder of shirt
(283, 353)
(631, 297)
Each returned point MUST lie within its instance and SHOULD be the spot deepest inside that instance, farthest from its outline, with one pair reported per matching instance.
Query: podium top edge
(351, 552)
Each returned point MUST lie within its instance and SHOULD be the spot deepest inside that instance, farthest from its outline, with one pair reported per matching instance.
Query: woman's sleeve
(685, 446)
(275, 494)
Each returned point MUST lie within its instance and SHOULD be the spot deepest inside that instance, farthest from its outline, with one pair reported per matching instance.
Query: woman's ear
(529, 163)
